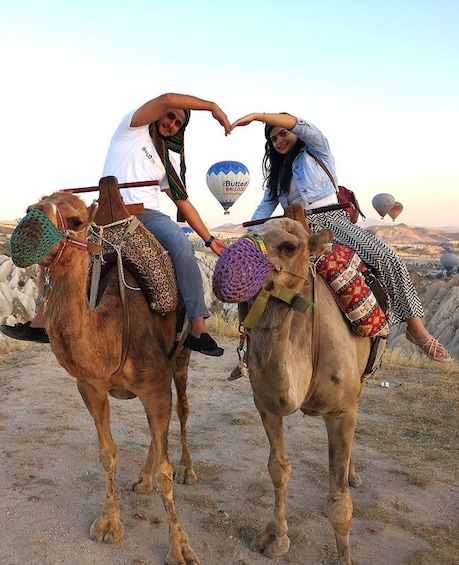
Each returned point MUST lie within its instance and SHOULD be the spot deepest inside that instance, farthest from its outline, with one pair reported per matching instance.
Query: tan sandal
(431, 347)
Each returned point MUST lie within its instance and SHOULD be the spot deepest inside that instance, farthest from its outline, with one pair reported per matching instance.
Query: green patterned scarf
(175, 143)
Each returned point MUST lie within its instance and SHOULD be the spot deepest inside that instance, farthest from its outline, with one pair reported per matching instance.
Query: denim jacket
(311, 180)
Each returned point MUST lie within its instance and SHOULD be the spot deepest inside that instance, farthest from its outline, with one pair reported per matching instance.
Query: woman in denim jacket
(293, 175)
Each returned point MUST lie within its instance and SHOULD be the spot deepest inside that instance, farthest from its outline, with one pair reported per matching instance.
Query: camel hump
(111, 206)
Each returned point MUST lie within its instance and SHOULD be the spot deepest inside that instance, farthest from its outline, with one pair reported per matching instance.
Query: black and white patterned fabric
(404, 301)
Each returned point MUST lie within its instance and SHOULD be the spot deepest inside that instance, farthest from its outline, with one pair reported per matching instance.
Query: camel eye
(287, 246)
(75, 223)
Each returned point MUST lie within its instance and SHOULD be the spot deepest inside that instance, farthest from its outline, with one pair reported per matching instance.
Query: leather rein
(70, 239)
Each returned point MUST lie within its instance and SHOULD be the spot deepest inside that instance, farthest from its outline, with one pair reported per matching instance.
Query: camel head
(290, 247)
(243, 267)
(56, 221)
(74, 211)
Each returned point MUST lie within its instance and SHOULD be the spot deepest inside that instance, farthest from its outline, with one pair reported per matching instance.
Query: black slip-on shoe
(25, 332)
(203, 344)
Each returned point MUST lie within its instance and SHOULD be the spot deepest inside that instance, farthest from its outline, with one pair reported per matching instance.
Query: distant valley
(403, 238)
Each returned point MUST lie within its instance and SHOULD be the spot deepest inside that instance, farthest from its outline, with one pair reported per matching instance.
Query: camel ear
(317, 243)
(296, 212)
(92, 211)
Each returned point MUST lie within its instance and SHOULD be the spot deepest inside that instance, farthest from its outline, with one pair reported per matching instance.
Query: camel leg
(340, 428)
(108, 526)
(158, 407)
(273, 541)
(185, 473)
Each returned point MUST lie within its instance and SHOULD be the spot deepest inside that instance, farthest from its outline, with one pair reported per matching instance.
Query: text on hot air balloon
(235, 185)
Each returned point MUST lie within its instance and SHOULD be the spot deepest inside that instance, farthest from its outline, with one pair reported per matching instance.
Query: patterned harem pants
(403, 299)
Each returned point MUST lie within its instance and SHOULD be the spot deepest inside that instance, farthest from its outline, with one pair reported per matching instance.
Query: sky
(379, 78)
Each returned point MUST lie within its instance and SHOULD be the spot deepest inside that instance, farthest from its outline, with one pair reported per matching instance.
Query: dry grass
(5, 231)
(417, 427)
(224, 323)
(444, 547)
(12, 346)
(421, 416)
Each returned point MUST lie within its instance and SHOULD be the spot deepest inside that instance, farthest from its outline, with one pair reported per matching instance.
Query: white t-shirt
(132, 157)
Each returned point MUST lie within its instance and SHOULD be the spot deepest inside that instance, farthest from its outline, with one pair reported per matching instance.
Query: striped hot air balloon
(396, 210)
(227, 180)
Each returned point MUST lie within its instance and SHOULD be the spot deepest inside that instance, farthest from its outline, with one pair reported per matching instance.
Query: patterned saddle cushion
(343, 271)
(143, 256)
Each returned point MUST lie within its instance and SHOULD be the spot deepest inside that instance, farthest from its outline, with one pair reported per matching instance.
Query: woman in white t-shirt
(141, 150)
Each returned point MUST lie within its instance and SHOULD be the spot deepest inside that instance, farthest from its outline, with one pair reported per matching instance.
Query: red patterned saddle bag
(346, 275)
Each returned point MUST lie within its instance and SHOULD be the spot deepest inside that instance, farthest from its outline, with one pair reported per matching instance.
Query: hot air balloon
(396, 210)
(449, 261)
(227, 180)
(382, 203)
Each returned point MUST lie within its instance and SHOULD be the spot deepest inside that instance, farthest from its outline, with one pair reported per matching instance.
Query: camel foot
(106, 530)
(142, 485)
(354, 480)
(270, 545)
(185, 475)
(184, 555)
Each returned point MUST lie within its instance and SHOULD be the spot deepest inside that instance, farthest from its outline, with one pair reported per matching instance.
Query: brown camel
(309, 361)
(88, 343)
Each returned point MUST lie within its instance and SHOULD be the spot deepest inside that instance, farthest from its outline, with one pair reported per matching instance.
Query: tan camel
(316, 366)
(88, 344)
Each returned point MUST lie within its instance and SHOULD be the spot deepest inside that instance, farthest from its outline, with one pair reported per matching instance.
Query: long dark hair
(277, 168)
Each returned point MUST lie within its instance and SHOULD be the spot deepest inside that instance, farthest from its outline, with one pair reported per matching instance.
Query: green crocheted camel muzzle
(33, 238)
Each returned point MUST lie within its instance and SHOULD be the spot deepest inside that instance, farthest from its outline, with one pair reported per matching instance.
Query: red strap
(120, 185)
(322, 164)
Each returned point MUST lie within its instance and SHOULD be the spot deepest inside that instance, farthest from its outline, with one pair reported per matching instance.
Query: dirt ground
(53, 485)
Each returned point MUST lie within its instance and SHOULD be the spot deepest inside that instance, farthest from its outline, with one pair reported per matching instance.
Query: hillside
(391, 234)
(403, 234)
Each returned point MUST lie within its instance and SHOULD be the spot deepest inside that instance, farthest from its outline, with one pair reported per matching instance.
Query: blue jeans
(189, 278)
